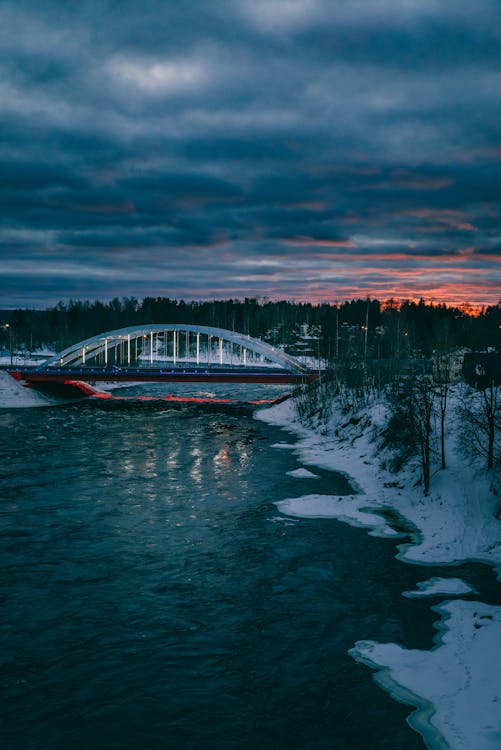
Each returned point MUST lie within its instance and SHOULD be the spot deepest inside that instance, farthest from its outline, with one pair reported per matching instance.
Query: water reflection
(150, 600)
(196, 466)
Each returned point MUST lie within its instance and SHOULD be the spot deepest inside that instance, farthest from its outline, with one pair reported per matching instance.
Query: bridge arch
(173, 343)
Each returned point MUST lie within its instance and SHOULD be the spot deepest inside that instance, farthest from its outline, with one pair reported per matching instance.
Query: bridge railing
(173, 344)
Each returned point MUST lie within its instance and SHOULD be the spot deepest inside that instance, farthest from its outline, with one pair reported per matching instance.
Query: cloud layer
(310, 149)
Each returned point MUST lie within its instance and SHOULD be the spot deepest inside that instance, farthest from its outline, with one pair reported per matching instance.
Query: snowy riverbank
(455, 687)
(15, 395)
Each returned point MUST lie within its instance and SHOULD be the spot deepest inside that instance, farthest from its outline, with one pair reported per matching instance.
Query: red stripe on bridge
(34, 377)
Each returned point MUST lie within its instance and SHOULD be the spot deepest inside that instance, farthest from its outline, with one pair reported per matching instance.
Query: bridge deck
(154, 375)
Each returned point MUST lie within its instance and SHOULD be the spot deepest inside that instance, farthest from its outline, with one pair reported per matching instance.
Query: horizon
(471, 309)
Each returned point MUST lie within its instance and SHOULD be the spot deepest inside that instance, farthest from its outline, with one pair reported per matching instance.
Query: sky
(312, 150)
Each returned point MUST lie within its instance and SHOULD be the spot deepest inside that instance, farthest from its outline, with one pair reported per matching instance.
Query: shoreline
(454, 688)
(475, 534)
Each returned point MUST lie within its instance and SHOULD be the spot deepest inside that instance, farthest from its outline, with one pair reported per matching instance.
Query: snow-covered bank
(15, 395)
(455, 523)
(455, 687)
(26, 359)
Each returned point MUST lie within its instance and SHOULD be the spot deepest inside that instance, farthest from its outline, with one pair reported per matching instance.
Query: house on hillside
(448, 366)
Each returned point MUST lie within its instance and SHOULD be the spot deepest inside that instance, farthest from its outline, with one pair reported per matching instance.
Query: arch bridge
(171, 352)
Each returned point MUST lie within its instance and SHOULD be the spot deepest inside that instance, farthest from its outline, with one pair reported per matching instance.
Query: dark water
(153, 597)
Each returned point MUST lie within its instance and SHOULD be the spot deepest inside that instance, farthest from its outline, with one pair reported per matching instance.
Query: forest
(359, 329)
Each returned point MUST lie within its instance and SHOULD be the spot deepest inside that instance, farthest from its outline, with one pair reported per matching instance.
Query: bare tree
(490, 406)
(424, 404)
(410, 427)
(482, 416)
(442, 379)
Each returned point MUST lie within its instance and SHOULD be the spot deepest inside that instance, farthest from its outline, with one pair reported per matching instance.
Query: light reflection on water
(152, 596)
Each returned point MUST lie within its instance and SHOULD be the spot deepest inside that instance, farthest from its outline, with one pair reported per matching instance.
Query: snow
(456, 686)
(302, 474)
(440, 587)
(14, 395)
(25, 359)
(348, 508)
(455, 523)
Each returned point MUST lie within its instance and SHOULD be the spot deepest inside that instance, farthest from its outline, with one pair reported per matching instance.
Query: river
(152, 595)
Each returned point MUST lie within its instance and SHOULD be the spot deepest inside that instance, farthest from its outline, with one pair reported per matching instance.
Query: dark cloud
(300, 148)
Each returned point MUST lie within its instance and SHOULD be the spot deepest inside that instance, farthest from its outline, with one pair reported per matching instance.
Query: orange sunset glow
(315, 153)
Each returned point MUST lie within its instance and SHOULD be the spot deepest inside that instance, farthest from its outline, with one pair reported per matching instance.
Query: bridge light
(228, 342)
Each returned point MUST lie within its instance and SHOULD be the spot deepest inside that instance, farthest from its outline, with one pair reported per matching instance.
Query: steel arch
(95, 345)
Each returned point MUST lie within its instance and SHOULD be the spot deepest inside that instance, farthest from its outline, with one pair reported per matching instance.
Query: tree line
(357, 330)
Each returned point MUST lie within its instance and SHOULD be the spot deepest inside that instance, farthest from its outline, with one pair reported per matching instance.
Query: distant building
(306, 341)
(449, 366)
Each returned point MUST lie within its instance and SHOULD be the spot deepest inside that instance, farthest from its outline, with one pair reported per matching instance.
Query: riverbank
(14, 395)
(455, 687)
